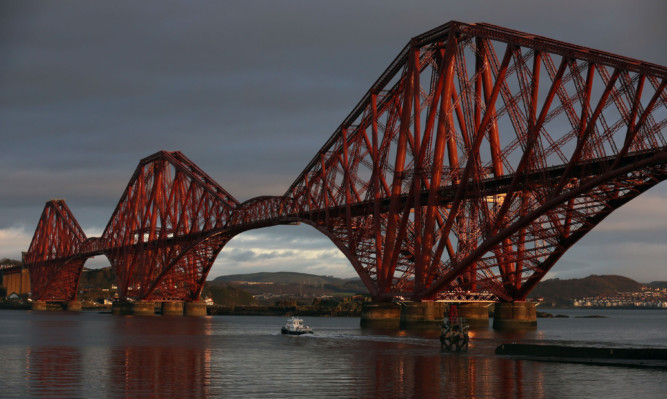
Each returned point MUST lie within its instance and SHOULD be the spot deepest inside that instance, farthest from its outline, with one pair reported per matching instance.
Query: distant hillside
(284, 278)
(97, 278)
(657, 284)
(8, 262)
(561, 292)
(228, 295)
(291, 283)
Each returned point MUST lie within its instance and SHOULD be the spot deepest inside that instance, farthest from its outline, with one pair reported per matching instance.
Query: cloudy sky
(250, 90)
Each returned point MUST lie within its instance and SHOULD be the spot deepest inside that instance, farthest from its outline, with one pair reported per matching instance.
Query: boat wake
(374, 338)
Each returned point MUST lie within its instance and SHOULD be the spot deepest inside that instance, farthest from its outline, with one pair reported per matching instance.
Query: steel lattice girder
(480, 155)
(164, 235)
(473, 163)
(52, 256)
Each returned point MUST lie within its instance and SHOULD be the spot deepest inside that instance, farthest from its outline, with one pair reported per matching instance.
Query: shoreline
(220, 310)
(540, 306)
(303, 310)
(593, 355)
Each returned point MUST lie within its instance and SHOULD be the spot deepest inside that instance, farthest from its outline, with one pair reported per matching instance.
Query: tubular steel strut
(472, 164)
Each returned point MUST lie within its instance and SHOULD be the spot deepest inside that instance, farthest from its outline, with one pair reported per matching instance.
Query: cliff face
(561, 292)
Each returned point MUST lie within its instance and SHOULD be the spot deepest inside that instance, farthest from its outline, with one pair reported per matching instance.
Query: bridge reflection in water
(94, 355)
(130, 357)
(54, 371)
(171, 359)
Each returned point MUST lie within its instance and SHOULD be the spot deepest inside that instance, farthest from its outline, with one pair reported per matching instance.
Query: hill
(293, 284)
(268, 286)
(657, 284)
(557, 292)
(10, 262)
(284, 278)
(97, 278)
(227, 295)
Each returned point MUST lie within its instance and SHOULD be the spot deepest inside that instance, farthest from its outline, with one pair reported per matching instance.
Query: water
(90, 355)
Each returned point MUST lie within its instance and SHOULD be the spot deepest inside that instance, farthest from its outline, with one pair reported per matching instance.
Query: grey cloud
(248, 90)
(302, 237)
(248, 255)
(611, 238)
(276, 254)
(240, 255)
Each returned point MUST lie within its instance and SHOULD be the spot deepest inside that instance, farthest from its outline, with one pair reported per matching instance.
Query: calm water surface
(90, 355)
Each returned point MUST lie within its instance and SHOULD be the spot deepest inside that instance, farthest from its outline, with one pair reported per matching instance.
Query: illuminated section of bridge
(471, 165)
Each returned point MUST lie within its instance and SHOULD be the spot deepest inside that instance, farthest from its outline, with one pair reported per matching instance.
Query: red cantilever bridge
(473, 163)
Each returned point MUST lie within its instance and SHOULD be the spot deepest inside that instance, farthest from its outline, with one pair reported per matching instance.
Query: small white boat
(294, 326)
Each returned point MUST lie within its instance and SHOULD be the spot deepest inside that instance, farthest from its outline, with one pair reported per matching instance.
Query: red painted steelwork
(51, 258)
(472, 164)
(164, 235)
(480, 156)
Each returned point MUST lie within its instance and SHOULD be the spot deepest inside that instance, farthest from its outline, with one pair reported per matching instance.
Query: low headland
(290, 293)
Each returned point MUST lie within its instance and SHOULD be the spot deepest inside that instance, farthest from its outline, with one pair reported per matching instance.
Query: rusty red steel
(52, 257)
(471, 165)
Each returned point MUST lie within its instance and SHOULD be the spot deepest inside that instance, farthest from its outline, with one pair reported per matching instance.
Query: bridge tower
(479, 157)
(167, 230)
(473, 163)
(53, 257)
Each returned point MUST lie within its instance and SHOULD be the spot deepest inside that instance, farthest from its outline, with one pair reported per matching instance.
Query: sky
(250, 91)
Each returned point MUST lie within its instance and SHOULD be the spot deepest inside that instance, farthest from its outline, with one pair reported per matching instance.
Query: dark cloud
(299, 237)
(275, 254)
(240, 255)
(248, 90)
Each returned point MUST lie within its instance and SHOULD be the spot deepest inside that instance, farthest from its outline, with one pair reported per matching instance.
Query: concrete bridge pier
(121, 308)
(380, 315)
(422, 315)
(143, 308)
(172, 308)
(475, 313)
(38, 305)
(195, 309)
(514, 316)
(73, 306)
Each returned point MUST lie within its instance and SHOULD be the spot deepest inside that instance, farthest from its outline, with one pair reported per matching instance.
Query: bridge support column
(172, 308)
(73, 306)
(380, 315)
(422, 315)
(514, 316)
(195, 309)
(121, 308)
(475, 313)
(39, 305)
(143, 308)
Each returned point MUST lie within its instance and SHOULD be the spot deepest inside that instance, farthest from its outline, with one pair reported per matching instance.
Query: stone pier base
(380, 315)
(39, 305)
(195, 309)
(475, 313)
(422, 315)
(172, 308)
(514, 316)
(143, 308)
(121, 308)
(73, 306)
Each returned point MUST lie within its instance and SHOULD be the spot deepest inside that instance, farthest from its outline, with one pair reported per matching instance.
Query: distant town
(646, 298)
(97, 288)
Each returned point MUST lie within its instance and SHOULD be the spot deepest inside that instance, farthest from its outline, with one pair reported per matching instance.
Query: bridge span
(478, 157)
